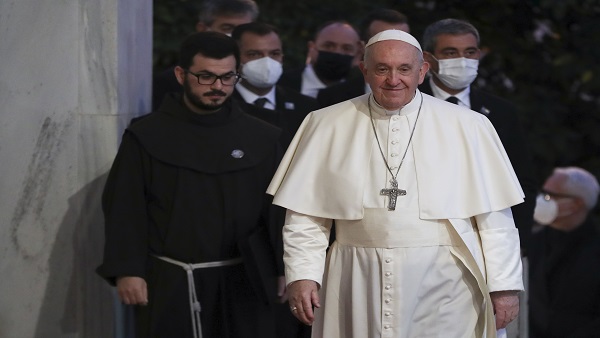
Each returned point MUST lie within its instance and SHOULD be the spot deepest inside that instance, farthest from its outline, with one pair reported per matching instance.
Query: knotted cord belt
(194, 303)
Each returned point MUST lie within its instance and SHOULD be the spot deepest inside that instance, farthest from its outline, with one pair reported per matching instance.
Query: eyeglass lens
(207, 78)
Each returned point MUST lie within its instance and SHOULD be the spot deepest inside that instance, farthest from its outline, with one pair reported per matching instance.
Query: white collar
(408, 109)
(463, 96)
(250, 97)
(311, 84)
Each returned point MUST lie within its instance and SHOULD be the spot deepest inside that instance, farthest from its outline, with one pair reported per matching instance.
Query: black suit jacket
(504, 118)
(351, 88)
(564, 283)
(292, 79)
(290, 110)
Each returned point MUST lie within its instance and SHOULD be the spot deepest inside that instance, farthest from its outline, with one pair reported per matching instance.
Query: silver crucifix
(393, 193)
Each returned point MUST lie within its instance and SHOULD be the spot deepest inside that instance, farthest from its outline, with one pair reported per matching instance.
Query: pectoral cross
(393, 193)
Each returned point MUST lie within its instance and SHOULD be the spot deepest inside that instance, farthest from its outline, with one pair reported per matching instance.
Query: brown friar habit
(192, 187)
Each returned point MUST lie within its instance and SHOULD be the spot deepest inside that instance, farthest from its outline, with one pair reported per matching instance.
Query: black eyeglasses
(208, 78)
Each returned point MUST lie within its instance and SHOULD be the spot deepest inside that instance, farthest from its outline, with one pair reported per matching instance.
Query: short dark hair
(258, 28)
(446, 26)
(212, 45)
(380, 14)
(210, 9)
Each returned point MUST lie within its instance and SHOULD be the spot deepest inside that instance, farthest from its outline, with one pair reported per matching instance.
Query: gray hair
(580, 183)
(210, 9)
(446, 26)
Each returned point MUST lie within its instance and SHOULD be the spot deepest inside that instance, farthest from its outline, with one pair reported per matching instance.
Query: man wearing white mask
(261, 56)
(451, 47)
(564, 278)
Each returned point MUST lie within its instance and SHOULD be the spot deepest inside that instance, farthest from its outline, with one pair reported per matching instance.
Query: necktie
(261, 101)
(452, 99)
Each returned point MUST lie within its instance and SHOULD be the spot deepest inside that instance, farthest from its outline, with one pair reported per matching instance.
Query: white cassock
(424, 269)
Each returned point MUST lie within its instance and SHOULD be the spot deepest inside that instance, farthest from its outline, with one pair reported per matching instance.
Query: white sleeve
(305, 241)
(501, 250)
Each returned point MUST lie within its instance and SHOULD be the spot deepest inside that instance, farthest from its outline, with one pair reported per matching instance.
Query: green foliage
(543, 55)
(173, 21)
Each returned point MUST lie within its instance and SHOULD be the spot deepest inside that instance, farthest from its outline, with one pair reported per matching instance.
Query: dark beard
(196, 101)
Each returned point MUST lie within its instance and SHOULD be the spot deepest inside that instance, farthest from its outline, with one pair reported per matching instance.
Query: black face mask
(332, 66)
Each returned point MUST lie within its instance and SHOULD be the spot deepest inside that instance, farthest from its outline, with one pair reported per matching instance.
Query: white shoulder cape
(462, 168)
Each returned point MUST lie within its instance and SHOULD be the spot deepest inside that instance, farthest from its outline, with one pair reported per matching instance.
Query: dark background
(542, 55)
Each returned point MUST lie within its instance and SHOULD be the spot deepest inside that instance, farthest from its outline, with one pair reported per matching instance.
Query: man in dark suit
(451, 47)
(564, 298)
(261, 67)
(261, 57)
(331, 54)
(376, 21)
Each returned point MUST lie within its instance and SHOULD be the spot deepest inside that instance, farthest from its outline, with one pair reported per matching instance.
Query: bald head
(574, 181)
(335, 37)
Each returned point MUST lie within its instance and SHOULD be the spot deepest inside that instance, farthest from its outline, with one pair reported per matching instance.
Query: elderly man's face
(393, 70)
(568, 204)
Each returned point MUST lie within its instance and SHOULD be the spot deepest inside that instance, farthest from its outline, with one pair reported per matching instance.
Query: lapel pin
(237, 153)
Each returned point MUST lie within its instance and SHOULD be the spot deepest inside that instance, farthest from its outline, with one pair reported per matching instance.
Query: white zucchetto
(394, 34)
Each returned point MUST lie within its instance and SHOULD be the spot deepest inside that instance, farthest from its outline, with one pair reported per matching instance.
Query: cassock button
(387, 327)
(387, 314)
(387, 274)
(387, 287)
(388, 260)
(395, 129)
(387, 301)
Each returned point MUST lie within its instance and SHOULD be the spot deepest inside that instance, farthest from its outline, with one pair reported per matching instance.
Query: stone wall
(72, 74)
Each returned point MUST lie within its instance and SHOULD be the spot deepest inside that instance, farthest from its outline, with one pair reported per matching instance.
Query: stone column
(72, 74)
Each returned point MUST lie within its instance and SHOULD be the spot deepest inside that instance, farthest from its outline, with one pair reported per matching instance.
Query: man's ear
(363, 68)
(179, 74)
(360, 51)
(423, 71)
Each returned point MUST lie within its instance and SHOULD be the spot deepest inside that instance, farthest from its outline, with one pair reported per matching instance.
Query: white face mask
(263, 72)
(546, 209)
(457, 73)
